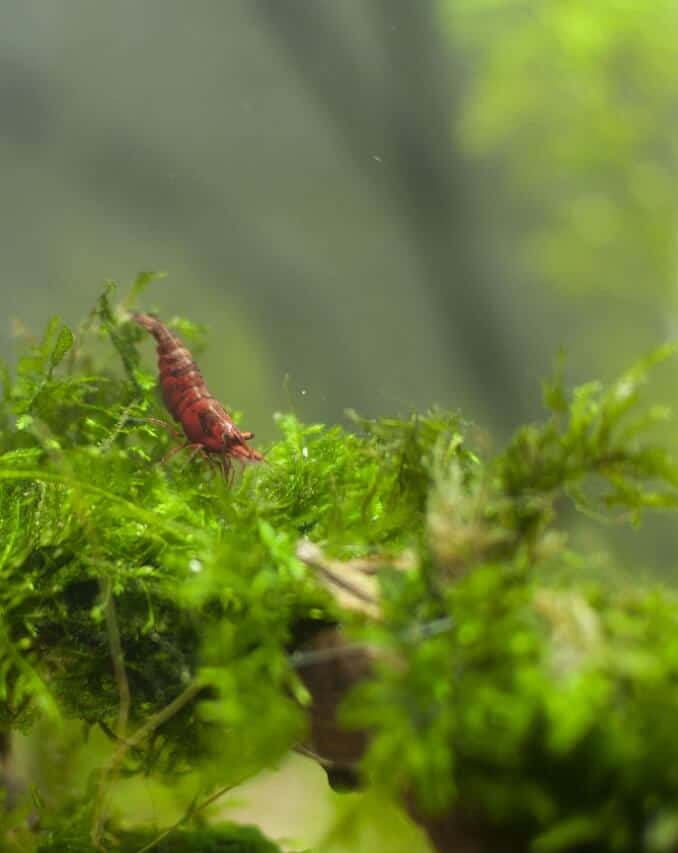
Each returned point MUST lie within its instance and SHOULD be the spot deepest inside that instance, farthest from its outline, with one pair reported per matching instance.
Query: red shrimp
(206, 424)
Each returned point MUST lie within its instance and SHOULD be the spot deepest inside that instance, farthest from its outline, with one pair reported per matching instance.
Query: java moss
(215, 839)
(160, 603)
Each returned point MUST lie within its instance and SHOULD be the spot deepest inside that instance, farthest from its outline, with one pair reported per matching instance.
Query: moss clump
(228, 838)
(159, 604)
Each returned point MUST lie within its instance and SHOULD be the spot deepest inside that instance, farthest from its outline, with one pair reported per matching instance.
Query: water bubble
(304, 452)
(195, 565)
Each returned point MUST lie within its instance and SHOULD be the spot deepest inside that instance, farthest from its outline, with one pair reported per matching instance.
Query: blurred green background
(375, 204)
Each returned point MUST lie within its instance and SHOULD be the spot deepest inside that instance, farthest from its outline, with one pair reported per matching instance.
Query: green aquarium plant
(153, 616)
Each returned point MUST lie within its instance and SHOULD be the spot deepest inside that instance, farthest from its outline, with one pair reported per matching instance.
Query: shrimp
(206, 424)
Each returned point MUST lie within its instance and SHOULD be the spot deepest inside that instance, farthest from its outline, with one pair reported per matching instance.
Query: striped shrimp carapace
(206, 424)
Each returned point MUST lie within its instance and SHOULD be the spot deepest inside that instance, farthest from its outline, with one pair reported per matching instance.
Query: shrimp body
(205, 422)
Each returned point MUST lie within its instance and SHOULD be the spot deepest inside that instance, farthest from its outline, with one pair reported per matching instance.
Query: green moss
(215, 839)
(544, 703)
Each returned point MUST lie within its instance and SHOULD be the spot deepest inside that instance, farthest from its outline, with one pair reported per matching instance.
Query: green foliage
(572, 101)
(159, 603)
(68, 838)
